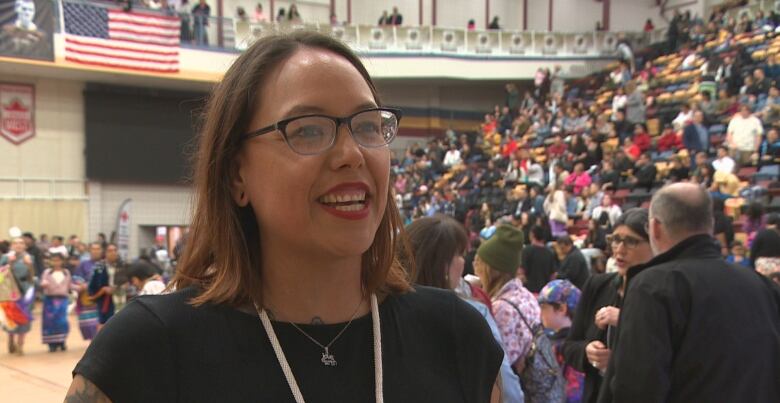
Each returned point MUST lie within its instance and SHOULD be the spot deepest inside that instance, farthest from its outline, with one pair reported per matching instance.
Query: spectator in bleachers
(728, 75)
(200, 20)
(649, 27)
(696, 137)
(678, 170)
(623, 162)
(57, 246)
(635, 104)
(395, 18)
(555, 206)
(641, 138)
(537, 200)
(743, 135)
(769, 109)
(685, 116)
(384, 19)
(760, 84)
(259, 16)
(724, 185)
(770, 148)
(765, 249)
(452, 157)
(631, 150)
(756, 220)
(572, 266)
(737, 255)
(613, 210)
(609, 177)
(293, 16)
(723, 163)
(669, 141)
(645, 172)
(183, 11)
(578, 179)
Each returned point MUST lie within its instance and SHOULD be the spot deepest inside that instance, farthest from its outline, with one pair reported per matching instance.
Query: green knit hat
(502, 250)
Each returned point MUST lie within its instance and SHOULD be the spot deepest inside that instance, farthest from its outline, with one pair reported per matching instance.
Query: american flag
(113, 38)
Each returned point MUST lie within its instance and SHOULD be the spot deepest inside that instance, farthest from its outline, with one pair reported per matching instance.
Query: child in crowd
(144, 277)
(558, 300)
(737, 255)
(56, 285)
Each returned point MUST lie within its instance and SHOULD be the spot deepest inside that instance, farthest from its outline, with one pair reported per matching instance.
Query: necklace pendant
(327, 359)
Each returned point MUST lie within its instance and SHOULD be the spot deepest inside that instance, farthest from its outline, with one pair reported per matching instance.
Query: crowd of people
(564, 175)
(89, 278)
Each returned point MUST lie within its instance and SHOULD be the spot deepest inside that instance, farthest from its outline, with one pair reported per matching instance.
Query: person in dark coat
(693, 328)
(538, 261)
(766, 244)
(696, 137)
(592, 334)
(573, 267)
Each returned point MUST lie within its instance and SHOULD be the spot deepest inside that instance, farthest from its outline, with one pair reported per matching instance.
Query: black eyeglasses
(629, 241)
(314, 134)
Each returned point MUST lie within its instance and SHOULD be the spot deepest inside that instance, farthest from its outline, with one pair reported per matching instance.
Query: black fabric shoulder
(131, 359)
(478, 355)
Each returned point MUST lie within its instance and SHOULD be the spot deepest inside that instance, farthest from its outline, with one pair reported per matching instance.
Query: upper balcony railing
(416, 40)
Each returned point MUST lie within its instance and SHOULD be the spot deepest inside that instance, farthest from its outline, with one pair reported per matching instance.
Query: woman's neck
(316, 290)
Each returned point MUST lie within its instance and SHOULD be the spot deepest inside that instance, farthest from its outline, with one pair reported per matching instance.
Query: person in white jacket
(555, 207)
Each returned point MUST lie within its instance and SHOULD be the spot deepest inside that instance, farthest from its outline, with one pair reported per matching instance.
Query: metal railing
(428, 39)
(15, 188)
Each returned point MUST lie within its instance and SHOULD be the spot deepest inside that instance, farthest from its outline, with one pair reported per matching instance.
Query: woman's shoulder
(435, 307)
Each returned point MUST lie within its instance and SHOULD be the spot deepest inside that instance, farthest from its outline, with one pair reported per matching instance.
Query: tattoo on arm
(83, 391)
(317, 321)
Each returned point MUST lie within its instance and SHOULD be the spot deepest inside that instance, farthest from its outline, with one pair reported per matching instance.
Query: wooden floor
(38, 375)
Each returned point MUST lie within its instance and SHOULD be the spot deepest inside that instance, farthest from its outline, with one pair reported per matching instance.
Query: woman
(555, 208)
(592, 333)
(56, 286)
(439, 244)
(293, 16)
(289, 285)
(21, 267)
(516, 310)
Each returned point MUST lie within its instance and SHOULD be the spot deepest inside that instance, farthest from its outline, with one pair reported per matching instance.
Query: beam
(550, 17)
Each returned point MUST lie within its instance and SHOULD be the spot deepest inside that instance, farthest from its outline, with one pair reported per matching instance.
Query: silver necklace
(293, 384)
(327, 358)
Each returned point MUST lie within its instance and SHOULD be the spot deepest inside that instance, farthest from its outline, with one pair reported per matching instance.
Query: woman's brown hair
(222, 255)
(435, 241)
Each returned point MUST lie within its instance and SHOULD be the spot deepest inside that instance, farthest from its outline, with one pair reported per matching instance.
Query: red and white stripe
(112, 53)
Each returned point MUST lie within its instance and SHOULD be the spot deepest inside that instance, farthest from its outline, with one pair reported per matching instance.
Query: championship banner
(27, 29)
(123, 230)
(17, 112)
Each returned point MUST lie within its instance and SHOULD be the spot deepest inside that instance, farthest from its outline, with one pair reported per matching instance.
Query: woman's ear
(238, 186)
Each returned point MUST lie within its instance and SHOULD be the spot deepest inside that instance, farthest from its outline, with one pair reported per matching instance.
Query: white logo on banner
(17, 112)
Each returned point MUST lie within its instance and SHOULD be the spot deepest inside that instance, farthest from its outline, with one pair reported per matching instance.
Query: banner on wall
(123, 230)
(17, 112)
(27, 29)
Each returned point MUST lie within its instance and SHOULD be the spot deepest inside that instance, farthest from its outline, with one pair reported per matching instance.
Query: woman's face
(627, 256)
(18, 245)
(287, 191)
(455, 270)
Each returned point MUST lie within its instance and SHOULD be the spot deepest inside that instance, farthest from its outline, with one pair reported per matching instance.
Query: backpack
(542, 378)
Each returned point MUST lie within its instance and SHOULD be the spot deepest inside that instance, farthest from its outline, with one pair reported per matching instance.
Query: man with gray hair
(693, 328)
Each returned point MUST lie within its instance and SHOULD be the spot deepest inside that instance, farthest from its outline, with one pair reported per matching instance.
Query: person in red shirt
(669, 141)
(557, 149)
(641, 137)
(509, 148)
(631, 149)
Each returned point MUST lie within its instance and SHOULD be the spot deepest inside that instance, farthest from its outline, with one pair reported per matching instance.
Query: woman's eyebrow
(298, 110)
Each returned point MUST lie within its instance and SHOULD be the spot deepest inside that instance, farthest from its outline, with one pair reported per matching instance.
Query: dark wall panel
(140, 135)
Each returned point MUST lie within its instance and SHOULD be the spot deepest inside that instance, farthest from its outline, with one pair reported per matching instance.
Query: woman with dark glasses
(290, 288)
(592, 333)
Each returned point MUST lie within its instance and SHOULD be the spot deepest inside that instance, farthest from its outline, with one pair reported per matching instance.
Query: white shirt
(613, 212)
(745, 132)
(59, 249)
(452, 158)
(152, 287)
(725, 164)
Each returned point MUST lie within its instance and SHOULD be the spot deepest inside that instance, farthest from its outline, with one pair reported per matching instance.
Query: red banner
(17, 112)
